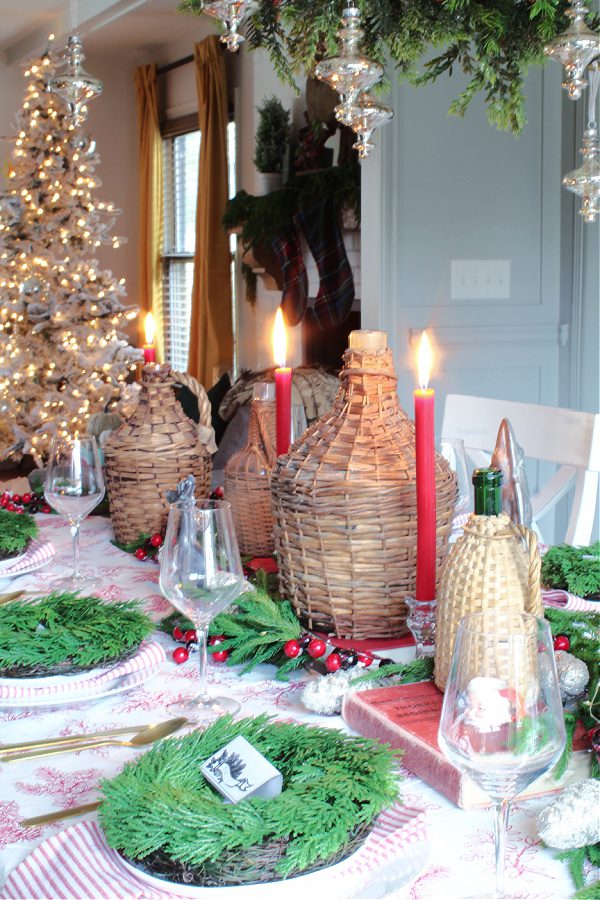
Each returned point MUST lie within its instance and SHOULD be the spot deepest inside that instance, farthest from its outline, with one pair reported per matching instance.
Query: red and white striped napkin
(560, 599)
(78, 863)
(148, 656)
(38, 554)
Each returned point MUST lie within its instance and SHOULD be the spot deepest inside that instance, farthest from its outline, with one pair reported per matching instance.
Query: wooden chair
(568, 438)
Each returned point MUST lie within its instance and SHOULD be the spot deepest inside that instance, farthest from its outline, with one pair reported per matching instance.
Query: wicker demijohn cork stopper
(345, 504)
(153, 451)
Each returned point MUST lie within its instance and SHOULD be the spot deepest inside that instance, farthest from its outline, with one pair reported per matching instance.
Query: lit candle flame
(279, 340)
(424, 360)
(149, 328)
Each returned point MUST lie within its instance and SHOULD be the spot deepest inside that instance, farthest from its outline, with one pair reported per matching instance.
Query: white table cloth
(461, 860)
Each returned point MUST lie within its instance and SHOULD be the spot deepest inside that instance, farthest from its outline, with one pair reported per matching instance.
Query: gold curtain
(150, 187)
(211, 334)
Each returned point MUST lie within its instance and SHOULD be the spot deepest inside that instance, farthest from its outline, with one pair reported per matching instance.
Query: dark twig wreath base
(64, 668)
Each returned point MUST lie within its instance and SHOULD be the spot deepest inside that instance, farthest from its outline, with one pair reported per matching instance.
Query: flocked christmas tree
(63, 355)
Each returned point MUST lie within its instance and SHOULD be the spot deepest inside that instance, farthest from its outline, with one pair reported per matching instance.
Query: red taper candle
(149, 346)
(283, 388)
(425, 459)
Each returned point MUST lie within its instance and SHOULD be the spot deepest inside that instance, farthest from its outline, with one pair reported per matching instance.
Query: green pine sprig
(65, 627)
(574, 569)
(401, 673)
(332, 783)
(16, 531)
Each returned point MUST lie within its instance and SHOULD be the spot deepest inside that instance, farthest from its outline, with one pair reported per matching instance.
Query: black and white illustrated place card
(239, 771)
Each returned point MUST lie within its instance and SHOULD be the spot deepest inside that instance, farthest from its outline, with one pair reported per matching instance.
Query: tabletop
(461, 855)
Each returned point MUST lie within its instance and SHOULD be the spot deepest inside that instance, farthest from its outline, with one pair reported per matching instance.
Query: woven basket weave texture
(495, 564)
(151, 453)
(345, 507)
(248, 482)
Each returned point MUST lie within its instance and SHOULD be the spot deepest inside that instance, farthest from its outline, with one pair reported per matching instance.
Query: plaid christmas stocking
(319, 223)
(293, 271)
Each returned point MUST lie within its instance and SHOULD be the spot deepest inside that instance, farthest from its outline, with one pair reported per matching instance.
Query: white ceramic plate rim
(9, 563)
(119, 685)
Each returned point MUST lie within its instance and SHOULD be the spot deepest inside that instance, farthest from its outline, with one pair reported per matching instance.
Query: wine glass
(74, 487)
(201, 574)
(502, 718)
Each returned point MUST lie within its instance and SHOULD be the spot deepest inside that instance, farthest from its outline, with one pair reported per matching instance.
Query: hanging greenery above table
(492, 41)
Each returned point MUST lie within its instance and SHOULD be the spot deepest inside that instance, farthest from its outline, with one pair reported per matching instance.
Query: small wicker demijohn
(153, 451)
(248, 477)
(345, 504)
(494, 564)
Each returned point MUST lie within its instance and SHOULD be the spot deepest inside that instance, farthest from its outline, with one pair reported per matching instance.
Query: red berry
(16, 498)
(10, 507)
(365, 658)
(3, 500)
(156, 540)
(177, 633)
(190, 636)
(316, 648)
(26, 498)
(561, 642)
(333, 662)
(292, 649)
(140, 553)
(220, 656)
(180, 655)
(20, 510)
(218, 493)
(4, 497)
(216, 639)
(46, 509)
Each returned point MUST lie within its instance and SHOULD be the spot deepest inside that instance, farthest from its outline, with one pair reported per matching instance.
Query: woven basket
(248, 480)
(153, 451)
(495, 564)
(345, 504)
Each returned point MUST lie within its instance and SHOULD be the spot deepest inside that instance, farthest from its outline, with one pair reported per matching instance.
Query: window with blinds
(180, 189)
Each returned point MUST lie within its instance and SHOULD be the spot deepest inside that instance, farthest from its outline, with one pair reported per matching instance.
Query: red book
(408, 716)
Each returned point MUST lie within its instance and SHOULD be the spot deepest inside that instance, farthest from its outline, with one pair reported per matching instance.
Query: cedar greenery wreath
(64, 633)
(492, 41)
(160, 812)
(16, 531)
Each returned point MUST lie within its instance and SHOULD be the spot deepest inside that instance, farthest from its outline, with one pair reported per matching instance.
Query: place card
(239, 771)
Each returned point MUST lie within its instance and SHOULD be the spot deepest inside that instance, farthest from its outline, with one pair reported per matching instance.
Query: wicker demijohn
(152, 452)
(345, 504)
(494, 564)
(248, 477)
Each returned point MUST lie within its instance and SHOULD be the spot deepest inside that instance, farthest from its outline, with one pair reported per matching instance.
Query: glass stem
(75, 536)
(500, 811)
(201, 633)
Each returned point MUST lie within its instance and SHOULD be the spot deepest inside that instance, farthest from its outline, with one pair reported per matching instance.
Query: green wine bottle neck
(487, 485)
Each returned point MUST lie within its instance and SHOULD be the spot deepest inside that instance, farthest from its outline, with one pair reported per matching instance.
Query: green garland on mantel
(493, 42)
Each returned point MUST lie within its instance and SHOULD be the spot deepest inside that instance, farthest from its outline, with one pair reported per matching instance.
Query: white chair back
(568, 438)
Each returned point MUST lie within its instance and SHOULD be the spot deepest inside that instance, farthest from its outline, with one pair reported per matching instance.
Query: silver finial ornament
(231, 13)
(75, 86)
(510, 459)
(575, 48)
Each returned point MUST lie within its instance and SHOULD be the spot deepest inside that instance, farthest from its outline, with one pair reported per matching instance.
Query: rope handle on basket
(535, 568)
(206, 433)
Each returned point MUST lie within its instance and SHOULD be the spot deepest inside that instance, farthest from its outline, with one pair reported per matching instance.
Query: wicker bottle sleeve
(345, 504)
(494, 564)
(248, 480)
(152, 452)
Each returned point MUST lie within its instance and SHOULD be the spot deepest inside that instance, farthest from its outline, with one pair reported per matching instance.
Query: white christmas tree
(62, 354)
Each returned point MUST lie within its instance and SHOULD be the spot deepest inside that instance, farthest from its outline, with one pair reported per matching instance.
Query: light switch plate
(480, 279)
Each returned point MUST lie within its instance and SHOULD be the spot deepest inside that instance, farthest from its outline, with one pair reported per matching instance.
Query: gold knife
(8, 598)
(61, 814)
(71, 738)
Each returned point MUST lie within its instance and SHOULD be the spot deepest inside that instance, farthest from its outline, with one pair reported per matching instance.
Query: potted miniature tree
(271, 140)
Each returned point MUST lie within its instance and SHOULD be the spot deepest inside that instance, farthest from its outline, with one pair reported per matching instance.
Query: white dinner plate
(9, 563)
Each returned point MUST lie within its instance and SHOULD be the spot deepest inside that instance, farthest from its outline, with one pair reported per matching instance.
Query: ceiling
(106, 25)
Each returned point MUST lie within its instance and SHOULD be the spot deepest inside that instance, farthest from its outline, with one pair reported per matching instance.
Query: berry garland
(30, 502)
(333, 784)
(145, 547)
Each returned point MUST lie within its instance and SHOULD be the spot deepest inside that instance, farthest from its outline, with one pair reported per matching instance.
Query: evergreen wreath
(161, 804)
(16, 531)
(492, 41)
(64, 633)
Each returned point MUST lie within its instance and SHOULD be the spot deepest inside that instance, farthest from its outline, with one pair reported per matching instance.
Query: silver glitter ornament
(510, 459)
(573, 819)
(573, 675)
(325, 695)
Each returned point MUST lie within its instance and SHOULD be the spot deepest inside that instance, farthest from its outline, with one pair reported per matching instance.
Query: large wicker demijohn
(153, 451)
(345, 504)
(495, 564)
(248, 477)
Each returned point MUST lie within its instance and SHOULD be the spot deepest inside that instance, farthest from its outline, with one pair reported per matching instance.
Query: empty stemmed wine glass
(502, 719)
(74, 487)
(201, 574)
